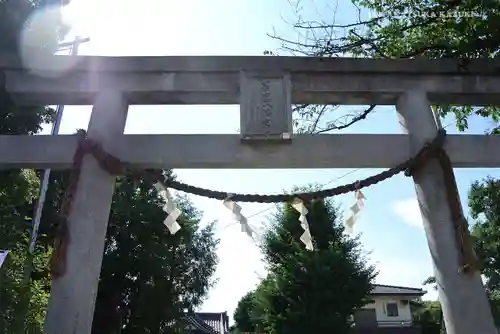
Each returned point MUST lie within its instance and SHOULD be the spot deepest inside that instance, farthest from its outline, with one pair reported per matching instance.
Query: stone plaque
(265, 106)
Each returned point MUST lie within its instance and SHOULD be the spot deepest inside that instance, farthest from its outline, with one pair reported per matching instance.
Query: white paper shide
(355, 210)
(170, 208)
(306, 237)
(238, 216)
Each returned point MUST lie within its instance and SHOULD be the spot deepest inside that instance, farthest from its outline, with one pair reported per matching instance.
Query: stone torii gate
(265, 88)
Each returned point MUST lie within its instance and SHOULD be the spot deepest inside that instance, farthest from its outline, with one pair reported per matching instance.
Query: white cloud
(408, 210)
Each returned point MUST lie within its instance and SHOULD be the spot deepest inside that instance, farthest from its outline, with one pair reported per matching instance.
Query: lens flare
(38, 42)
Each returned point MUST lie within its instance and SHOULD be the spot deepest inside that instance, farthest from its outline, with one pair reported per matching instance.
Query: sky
(390, 223)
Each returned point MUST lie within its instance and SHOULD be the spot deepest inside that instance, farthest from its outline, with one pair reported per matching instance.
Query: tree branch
(308, 24)
(355, 119)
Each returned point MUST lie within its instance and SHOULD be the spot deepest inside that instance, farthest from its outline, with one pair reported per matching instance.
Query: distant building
(206, 323)
(387, 312)
(388, 307)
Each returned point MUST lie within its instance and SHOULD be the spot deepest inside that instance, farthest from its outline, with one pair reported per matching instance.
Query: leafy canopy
(22, 306)
(307, 291)
(434, 29)
(149, 277)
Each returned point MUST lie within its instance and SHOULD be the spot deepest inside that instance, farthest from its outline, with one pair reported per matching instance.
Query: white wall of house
(380, 306)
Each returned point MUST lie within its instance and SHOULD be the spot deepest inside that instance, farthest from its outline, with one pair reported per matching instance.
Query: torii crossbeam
(265, 88)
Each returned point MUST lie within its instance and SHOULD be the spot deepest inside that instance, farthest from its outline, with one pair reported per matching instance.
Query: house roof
(216, 321)
(205, 322)
(392, 290)
(198, 323)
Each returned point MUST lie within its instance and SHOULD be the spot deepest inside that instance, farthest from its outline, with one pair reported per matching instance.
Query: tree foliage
(428, 315)
(22, 307)
(428, 312)
(308, 291)
(244, 315)
(434, 29)
(392, 29)
(484, 204)
(17, 197)
(149, 277)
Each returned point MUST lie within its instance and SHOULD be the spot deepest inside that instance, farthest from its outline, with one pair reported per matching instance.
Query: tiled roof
(199, 324)
(209, 323)
(213, 320)
(380, 289)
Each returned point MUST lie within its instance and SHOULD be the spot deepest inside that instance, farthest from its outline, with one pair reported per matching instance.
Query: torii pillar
(463, 297)
(73, 295)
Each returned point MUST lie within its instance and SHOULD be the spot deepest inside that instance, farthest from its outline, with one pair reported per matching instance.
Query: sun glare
(82, 16)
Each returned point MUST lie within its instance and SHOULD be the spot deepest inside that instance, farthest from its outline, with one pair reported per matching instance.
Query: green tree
(163, 274)
(432, 29)
(17, 196)
(244, 314)
(22, 307)
(149, 277)
(428, 315)
(484, 205)
(251, 313)
(311, 291)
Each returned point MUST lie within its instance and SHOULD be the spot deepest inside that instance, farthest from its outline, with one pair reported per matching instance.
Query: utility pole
(74, 46)
(28, 263)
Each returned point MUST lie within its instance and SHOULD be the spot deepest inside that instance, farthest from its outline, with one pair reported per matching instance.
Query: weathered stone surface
(263, 64)
(462, 296)
(226, 151)
(216, 80)
(73, 295)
